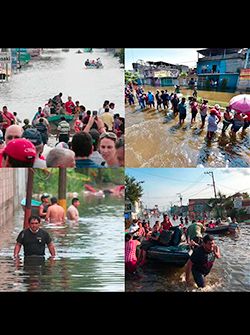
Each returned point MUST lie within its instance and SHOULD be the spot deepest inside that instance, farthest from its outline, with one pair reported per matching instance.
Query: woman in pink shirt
(130, 253)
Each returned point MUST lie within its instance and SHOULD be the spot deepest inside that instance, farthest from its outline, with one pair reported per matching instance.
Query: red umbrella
(241, 103)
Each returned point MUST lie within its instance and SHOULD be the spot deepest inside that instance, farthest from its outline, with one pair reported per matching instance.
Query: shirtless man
(55, 213)
(72, 212)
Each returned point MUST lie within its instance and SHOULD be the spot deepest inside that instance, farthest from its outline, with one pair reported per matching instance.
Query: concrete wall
(12, 188)
(6, 194)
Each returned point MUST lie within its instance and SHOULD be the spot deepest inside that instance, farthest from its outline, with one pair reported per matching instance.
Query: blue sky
(161, 186)
(183, 56)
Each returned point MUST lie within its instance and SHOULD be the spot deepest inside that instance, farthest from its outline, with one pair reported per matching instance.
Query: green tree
(183, 75)
(131, 77)
(133, 189)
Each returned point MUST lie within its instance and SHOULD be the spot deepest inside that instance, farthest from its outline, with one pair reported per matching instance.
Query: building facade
(220, 68)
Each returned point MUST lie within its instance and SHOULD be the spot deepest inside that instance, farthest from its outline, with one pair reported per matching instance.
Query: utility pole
(180, 198)
(212, 175)
(28, 207)
(62, 188)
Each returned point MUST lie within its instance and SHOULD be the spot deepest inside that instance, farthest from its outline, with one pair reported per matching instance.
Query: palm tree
(133, 189)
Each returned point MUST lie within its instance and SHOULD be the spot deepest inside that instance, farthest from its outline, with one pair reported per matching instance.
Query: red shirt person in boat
(69, 106)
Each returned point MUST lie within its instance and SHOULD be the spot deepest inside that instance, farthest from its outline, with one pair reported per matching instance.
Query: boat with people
(93, 64)
(174, 255)
(56, 118)
(218, 229)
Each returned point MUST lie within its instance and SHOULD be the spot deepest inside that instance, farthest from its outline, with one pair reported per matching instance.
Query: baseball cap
(45, 195)
(21, 149)
(33, 135)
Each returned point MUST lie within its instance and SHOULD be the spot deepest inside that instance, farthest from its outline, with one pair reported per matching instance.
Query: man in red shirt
(8, 119)
(69, 106)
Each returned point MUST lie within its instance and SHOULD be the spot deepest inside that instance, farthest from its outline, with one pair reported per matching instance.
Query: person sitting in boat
(211, 224)
(218, 222)
(152, 241)
(98, 62)
(87, 63)
(166, 223)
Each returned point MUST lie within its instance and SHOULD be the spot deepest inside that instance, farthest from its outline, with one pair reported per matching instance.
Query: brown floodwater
(155, 139)
(230, 273)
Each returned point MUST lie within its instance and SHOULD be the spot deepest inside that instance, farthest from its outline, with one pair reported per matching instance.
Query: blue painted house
(219, 68)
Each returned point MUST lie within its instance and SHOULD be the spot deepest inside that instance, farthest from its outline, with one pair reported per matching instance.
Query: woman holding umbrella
(241, 104)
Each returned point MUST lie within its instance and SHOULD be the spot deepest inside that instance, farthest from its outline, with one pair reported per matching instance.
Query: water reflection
(89, 254)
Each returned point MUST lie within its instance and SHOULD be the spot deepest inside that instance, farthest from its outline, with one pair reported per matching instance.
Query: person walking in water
(202, 260)
(72, 212)
(55, 213)
(34, 239)
(43, 208)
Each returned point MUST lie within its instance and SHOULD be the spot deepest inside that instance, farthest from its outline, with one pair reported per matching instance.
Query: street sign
(5, 57)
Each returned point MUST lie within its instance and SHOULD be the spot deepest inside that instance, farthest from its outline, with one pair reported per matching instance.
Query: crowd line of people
(162, 100)
(95, 138)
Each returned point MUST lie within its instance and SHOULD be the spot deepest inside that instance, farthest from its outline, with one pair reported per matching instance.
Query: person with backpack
(43, 129)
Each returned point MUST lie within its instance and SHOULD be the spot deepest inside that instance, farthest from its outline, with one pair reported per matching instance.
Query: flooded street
(89, 254)
(155, 139)
(32, 86)
(229, 274)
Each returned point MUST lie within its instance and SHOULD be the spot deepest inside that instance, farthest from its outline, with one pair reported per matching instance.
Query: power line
(169, 178)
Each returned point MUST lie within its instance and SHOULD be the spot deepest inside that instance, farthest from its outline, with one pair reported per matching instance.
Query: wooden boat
(34, 206)
(218, 229)
(175, 255)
